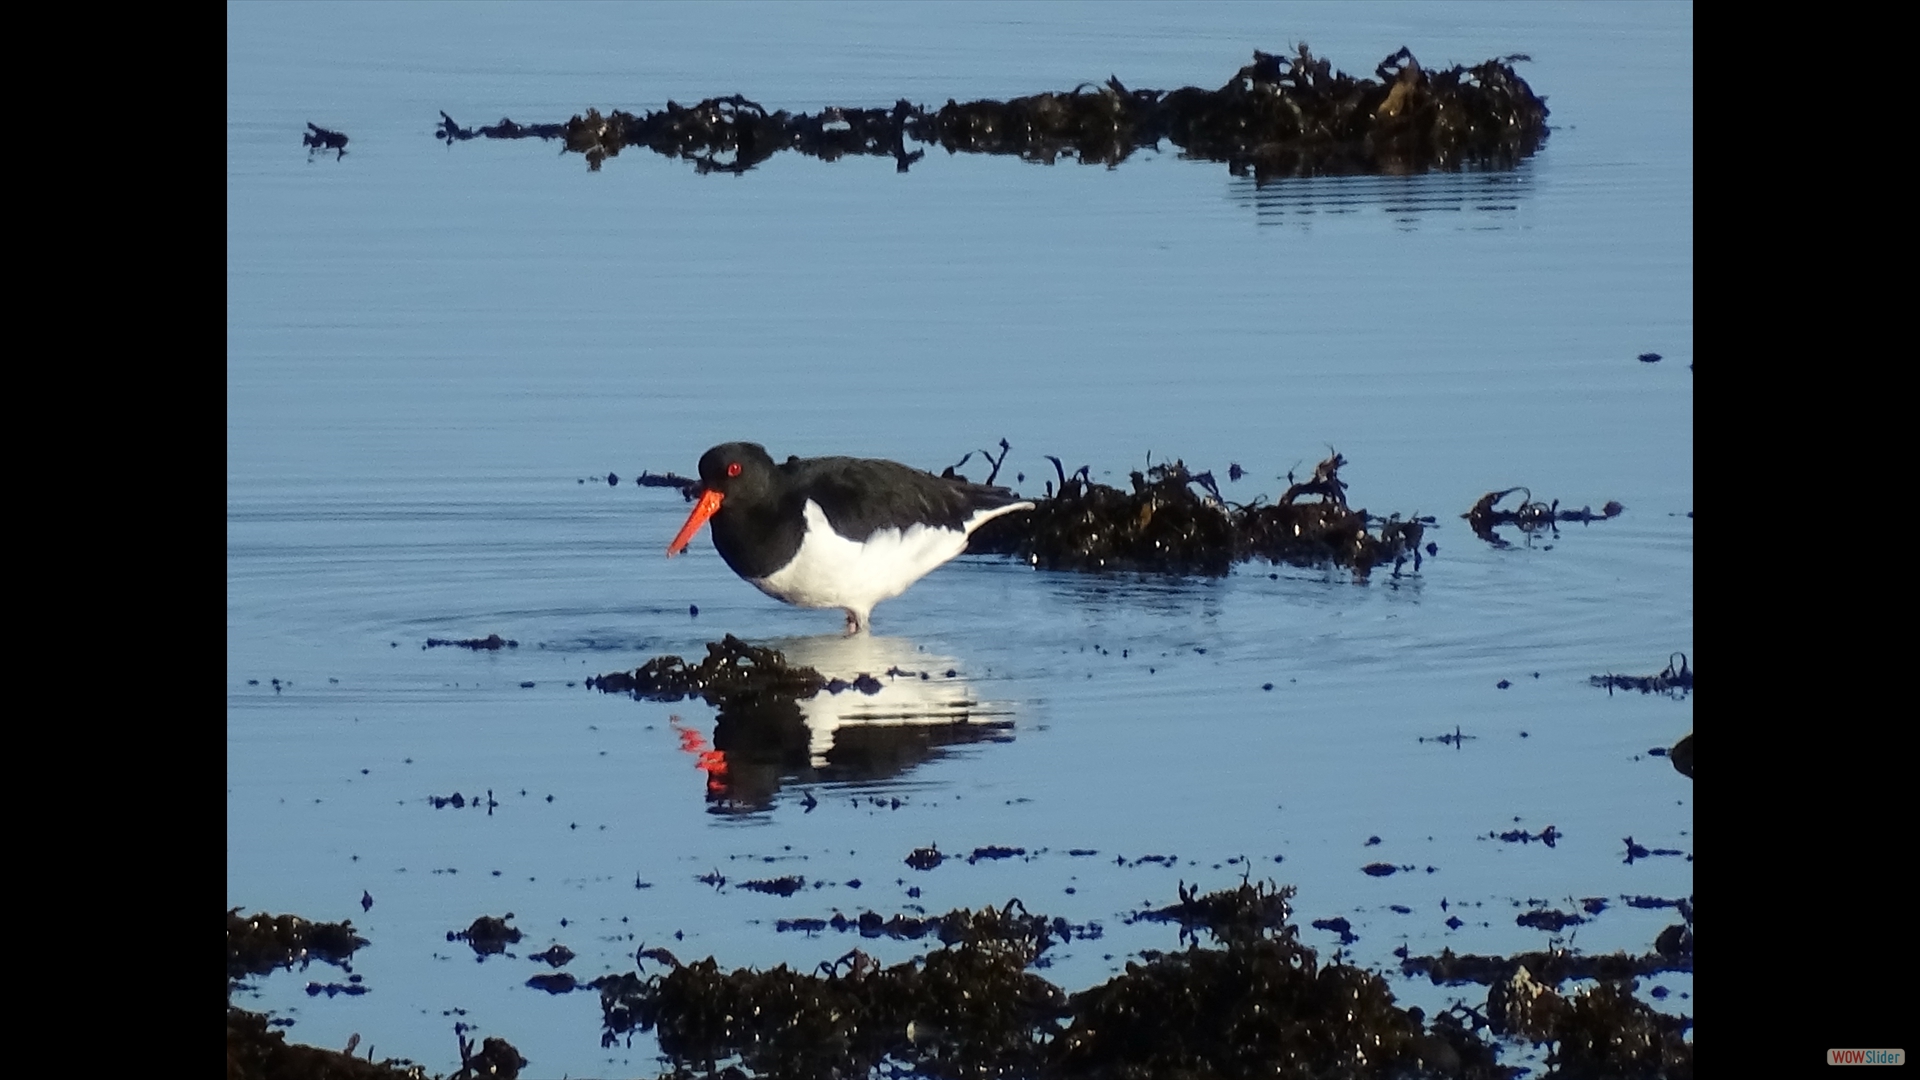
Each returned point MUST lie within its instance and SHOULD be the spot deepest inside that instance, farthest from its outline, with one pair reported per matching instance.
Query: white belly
(832, 571)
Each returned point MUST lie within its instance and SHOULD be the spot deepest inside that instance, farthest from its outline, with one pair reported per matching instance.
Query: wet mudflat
(1116, 760)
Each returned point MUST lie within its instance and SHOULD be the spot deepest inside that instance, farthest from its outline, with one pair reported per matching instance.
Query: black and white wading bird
(834, 532)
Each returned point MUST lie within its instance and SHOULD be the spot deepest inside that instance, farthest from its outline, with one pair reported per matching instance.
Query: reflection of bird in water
(905, 688)
(834, 531)
(887, 707)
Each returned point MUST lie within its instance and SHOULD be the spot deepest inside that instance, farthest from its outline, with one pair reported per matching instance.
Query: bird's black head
(738, 474)
(735, 466)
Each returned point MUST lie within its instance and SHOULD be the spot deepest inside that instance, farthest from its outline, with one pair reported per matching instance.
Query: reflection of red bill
(702, 510)
(690, 740)
(708, 760)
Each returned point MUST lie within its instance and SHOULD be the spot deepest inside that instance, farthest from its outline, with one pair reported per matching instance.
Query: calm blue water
(428, 347)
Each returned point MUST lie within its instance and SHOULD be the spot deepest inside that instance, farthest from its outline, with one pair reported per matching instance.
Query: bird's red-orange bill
(702, 510)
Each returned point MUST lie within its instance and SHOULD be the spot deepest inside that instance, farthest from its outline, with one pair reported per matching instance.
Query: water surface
(437, 354)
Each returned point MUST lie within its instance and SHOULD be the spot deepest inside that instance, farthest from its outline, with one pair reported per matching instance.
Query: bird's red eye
(733, 468)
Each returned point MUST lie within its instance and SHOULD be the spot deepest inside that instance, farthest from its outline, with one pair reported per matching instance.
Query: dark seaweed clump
(1254, 1002)
(1550, 966)
(1531, 516)
(1602, 1031)
(257, 1052)
(1675, 680)
(685, 485)
(488, 935)
(318, 139)
(1281, 115)
(951, 928)
(490, 643)
(1259, 1005)
(260, 943)
(733, 669)
(1231, 914)
(1174, 521)
(965, 1009)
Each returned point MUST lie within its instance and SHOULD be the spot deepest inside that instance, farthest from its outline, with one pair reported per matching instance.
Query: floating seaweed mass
(1277, 116)
(318, 138)
(1164, 525)
(781, 886)
(488, 934)
(1530, 517)
(1548, 919)
(951, 928)
(556, 983)
(1547, 836)
(1231, 914)
(1675, 680)
(490, 643)
(261, 943)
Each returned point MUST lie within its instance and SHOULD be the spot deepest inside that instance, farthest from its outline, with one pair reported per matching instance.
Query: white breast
(833, 571)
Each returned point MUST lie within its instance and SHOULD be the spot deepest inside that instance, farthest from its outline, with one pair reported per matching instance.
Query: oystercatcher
(834, 531)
